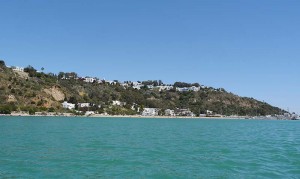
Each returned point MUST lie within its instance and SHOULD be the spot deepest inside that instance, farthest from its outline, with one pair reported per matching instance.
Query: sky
(250, 48)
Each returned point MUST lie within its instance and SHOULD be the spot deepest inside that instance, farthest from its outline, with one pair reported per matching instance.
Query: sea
(78, 147)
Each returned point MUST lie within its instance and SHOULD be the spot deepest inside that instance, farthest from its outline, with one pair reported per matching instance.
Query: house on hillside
(89, 80)
(186, 89)
(164, 88)
(150, 112)
(67, 105)
(83, 105)
(16, 68)
(137, 85)
(118, 103)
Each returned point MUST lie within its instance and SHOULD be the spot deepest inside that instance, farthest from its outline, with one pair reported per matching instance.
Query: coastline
(117, 116)
(138, 116)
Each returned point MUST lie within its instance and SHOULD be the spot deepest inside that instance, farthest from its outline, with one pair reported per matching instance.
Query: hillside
(36, 91)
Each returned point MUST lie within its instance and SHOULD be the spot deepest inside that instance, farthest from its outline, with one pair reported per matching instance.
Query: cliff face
(32, 91)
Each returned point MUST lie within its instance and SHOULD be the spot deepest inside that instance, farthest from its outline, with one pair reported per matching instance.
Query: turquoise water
(42, 147)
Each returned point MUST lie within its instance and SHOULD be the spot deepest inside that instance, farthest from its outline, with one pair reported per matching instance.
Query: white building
(164, 88)
(150, 112)
(150, 86)
(185, 112)
(89, 80)
(185, 89)
(208, 112)
(88, 113)
(67, 105)
(194, 88)
(137, 85)
(169, 112)
(83, 105)
(16, 68)
(118, 103)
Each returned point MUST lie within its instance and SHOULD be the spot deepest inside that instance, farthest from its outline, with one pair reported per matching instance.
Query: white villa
(185, 89)
(67, 105)
(16, 68)
(82, 105)
(164, 88)
(137, 85)
(150, 112)
(89, 80)
(209, 112)
(88, 113)
(185, 112)
(118, 103)
(169, 112)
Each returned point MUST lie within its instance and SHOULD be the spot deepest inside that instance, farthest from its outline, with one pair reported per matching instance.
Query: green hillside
(36, 91)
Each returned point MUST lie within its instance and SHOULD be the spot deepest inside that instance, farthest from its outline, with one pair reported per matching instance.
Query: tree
(2, 63)
(30, 70)
(61, 75)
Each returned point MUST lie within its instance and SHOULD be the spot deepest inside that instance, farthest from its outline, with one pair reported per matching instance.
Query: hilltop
(33, 91)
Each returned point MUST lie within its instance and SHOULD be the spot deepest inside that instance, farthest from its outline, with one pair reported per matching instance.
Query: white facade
(137, 85)
(165, 88)
(150, 112)
(185, 89)
(15, 68)
(89, 80)
(169, 112)
(82, 105)
(88, 113)
(209, 112)
(118, 103)
(185, 112)
(67, 105)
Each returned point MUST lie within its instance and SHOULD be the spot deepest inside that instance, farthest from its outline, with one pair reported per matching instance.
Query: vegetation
(36, 91)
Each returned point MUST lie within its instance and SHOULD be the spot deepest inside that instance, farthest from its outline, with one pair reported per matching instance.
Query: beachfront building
(185, 112)
(169, 112)
(67, 105)
(16, 68)
(88, 113)
(150, 112)
(208, 112)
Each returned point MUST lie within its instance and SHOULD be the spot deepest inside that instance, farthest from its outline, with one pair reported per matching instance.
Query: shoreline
(139, 117)
(119, 116)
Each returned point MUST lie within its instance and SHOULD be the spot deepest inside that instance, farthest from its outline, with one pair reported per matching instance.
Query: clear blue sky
(251, 48)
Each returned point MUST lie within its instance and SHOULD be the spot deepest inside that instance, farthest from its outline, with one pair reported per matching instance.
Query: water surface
(61, 147)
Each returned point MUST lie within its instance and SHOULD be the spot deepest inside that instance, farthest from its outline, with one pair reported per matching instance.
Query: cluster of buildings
(138, 86)
(16, 68)
(145, 112)
(167, 112)
(71, 106)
